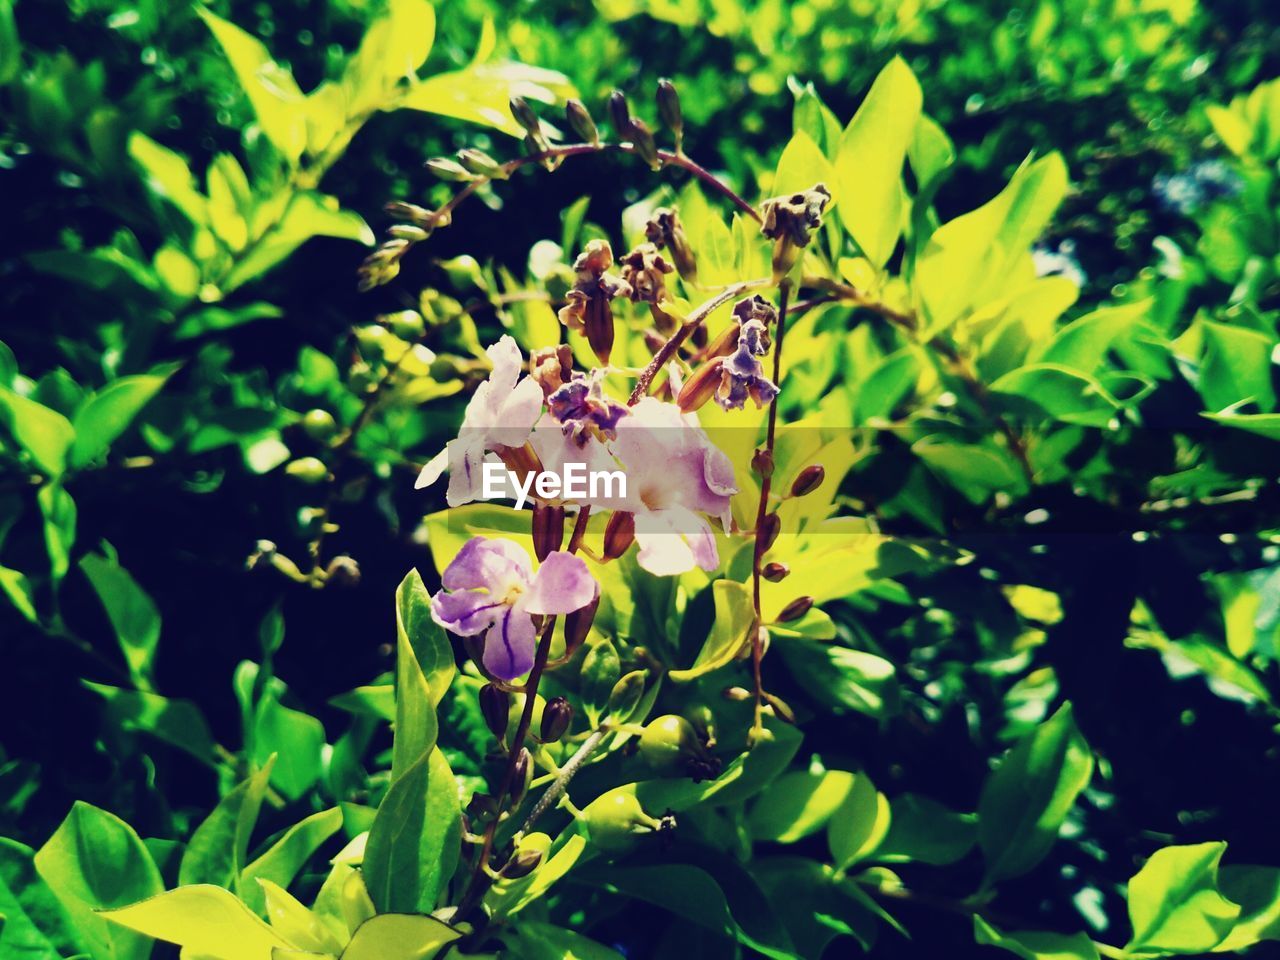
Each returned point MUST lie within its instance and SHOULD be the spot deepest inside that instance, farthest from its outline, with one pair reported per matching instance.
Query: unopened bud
(522, 864)
(579, 119)
(522, 776)
(642, 140)
(774, 572)
(577, 625)
(548, 530)
(767, 532)
(736, 694)
(525, 116)
(808, 480)
(482, 808)
(669, 110)
(407, 231)
(307, 469)
(447, 169)
(536, 146)
(762, 462)
(479, 163)
(796, 609)
(700, 387)
(495, 705)
(597, 324)
(557, 714)
(727, 342)
(409, 212)
(620, 113)
(619, 534)
(781, 708)
(625, 695)
(343, 571)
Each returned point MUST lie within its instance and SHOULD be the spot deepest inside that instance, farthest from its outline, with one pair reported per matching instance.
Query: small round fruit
(319, 424)
(407, 324)
(616, 820)
(307, 469)
(667, 739)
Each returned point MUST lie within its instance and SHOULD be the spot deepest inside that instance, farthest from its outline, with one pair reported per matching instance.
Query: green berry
(307, 469)
(319, 425)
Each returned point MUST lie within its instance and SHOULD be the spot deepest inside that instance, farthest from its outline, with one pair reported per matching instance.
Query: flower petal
(510, 646)
(466, 612)
(431, 472)
(561, 585)
(495, 565)
(516, 413)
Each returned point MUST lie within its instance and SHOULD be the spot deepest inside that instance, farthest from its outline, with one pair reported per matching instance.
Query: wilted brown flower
(790, 222)
(665, 231)
(588, 309)
(645, 270)
(551, 367)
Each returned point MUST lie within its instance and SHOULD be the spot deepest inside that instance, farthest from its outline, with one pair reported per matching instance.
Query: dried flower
(588, 309)
(665, 231)
(645, 270)
(790, 222)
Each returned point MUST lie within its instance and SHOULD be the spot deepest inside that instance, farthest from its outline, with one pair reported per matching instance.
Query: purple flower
(675, 475)
(501, 413)
(742, 374)
(581, 406)
(494, 591)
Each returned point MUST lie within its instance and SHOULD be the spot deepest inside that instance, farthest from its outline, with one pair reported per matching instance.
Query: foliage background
(1118, 87)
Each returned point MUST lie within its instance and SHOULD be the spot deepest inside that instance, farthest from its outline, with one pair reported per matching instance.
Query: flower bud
(619, 534)
(309, 470)
(794, 610)
(625, 695)
(342, 571)
(700, 387)
(495, 706)
(579, 119)
(736, 694)
(762, 462)
(808, 480)
(447, 169)
(727, 342)
(577, 625)
(535, 146)
(597, 324)
(522, 864)
(774, 572)
(669, 110)
(642, 140)
(482, 808)
(524, 115)
(665, 231)
(620, 113)
(548, 530)
(408, 231)
(556, 717)
(522, 777)
(319, 425)
(407, 324)
(480, 163)
(409, 212)
(781, 708)
(767, 532)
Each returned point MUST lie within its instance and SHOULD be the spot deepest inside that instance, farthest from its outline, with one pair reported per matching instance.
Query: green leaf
(295, 922)
(859, 824)
(924, 831)
(413, 844)
(95, 861)
(967, 261)
(689, 892)
(176, 722)
(508, 897)
(133, 614)
(801, 166)
(842, 678)
(284, 858)
(734, 615)
(394, 46)
(107, 414)
(393, 936)
(294, 738)
(869, 162)
(542, 941)
(1083, 343)
(277, 102)
(10, 44)
(169, 177)
(797, 804)
(1026, 799)
(36, 926)
(206, 921)
(17, 587)
(1257, 890)
(1033, 945)
(930, 152)
(1260, 424)
(1045, 390)
(59, 513)
(44, 433)
(1236, 367)
(217, 850)
(480, 93)
(1174, 903)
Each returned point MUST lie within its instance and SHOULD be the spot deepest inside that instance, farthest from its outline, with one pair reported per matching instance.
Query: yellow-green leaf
(204, 920)
(733, 617)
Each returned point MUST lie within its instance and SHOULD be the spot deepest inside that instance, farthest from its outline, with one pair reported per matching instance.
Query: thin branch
(561, 782)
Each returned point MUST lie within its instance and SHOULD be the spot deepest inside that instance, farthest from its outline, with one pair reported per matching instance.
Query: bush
(941, 605)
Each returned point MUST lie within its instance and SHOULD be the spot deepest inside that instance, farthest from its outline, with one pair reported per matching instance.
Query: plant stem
(557, 788)
(762, 510)
(685, 330)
